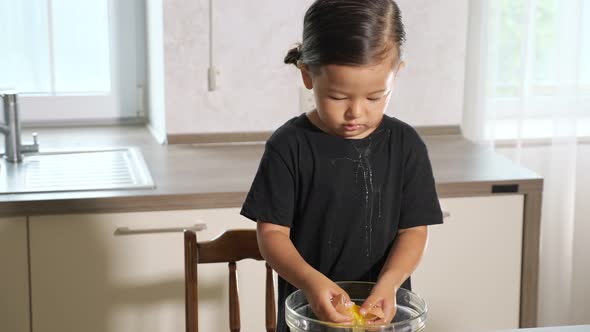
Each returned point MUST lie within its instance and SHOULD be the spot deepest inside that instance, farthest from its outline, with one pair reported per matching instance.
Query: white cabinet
(14, 275)
(470, 274)
(87, 278)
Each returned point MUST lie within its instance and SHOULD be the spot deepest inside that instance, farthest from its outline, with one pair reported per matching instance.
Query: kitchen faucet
(13, 151)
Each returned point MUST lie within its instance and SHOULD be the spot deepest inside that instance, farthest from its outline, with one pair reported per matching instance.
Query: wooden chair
(229, 247)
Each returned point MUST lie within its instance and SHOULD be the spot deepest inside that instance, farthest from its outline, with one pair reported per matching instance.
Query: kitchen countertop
(198, 176)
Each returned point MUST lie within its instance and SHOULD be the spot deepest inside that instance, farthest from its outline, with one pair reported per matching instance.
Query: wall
(155, 67)
(258, 92)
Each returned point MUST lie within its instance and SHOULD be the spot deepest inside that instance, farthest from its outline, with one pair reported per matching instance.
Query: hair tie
(298, 57)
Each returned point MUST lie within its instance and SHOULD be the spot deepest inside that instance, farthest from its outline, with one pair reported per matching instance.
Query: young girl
(345, 192)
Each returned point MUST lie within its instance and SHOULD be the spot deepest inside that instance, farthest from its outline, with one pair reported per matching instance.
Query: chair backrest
(230, 247)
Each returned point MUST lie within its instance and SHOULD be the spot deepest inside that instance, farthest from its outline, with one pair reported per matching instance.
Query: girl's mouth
(351, 127)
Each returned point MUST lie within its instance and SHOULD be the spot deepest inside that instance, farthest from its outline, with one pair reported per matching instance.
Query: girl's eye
(336, 98)
(374, 99)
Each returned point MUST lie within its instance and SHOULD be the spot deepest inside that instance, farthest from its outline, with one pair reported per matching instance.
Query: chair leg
(270, 310)
(234, 299)
(190, 281)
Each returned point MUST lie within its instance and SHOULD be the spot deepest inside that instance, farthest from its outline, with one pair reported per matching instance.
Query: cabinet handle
(128, 231)
(446, 214)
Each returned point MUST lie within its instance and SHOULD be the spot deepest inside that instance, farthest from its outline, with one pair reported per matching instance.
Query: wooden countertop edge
(119, 204)
(484, 188)
(262, 136)
(189, 201)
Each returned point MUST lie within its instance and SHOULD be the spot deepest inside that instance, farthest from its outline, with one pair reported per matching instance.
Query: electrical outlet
(213, 78)
(306, 100)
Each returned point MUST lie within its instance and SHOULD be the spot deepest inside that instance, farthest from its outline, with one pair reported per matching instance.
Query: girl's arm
(280, 253)
(403, 259)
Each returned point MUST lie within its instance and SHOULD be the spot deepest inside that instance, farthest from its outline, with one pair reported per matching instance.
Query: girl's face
(351, 100)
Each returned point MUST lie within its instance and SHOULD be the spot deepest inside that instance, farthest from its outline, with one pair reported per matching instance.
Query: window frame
(127, 40)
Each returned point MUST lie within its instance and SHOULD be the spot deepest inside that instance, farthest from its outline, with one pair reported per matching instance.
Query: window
(537, 67)
(74, 60)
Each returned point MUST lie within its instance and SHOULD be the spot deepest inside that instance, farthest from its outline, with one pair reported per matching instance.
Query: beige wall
(258, 92)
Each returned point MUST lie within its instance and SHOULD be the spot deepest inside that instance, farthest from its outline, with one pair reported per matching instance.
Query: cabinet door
(470, 274)
(87, 278)
(14, 275)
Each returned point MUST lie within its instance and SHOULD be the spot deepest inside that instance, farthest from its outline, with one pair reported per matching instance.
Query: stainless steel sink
(104, 169)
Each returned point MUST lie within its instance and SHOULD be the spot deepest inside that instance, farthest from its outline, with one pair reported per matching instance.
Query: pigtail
(293, 56)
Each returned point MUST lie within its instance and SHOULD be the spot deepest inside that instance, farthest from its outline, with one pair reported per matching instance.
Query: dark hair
(349, 32)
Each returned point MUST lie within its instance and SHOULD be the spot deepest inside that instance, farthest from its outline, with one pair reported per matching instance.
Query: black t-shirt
(343, 199)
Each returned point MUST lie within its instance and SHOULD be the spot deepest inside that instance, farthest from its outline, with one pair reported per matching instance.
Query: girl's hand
(320, 292)
(382, 296)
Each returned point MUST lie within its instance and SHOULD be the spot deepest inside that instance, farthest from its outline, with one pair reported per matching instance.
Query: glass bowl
(410, 315)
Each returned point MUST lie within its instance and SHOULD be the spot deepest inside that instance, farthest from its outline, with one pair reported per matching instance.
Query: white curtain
(528, 97)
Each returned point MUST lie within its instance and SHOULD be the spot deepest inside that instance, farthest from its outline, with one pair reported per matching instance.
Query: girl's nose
(355, 109)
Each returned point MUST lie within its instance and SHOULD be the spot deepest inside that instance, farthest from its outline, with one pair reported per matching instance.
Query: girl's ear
(306, 76)
(400, 66)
